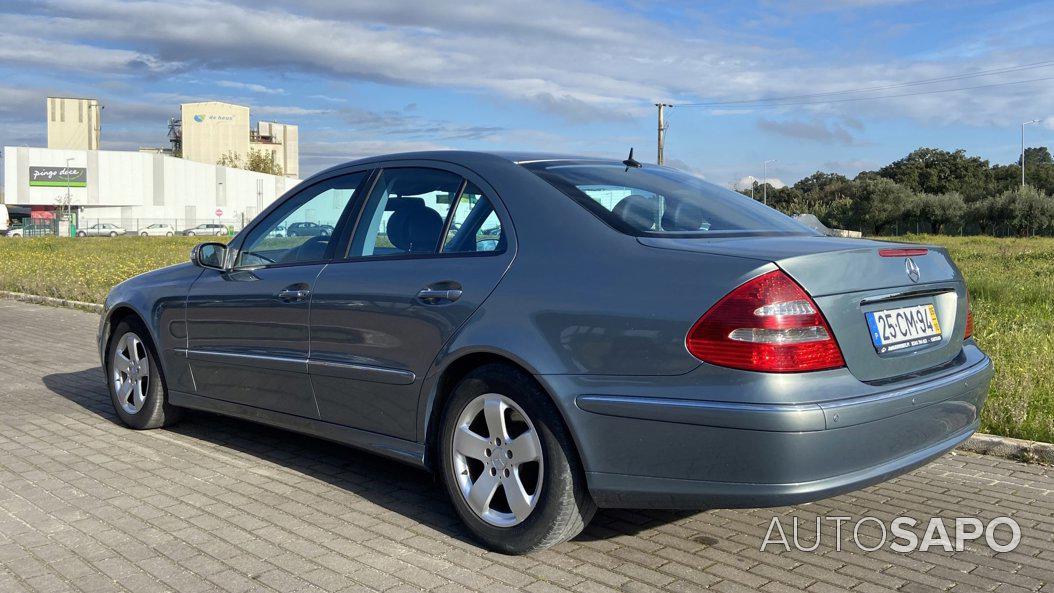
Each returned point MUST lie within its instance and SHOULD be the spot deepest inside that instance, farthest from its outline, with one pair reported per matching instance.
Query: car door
(248, 325)
(380, 317)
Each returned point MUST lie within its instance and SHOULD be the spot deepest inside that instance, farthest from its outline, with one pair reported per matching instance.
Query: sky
(379, 76)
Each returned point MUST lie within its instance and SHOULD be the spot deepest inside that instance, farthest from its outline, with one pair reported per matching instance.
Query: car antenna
(632, 162)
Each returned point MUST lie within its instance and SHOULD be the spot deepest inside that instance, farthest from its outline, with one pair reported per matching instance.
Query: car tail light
(767, 324)
(915, 251)
(969, 318)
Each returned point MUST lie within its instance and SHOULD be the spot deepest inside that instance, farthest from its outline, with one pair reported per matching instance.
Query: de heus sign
(58, 176)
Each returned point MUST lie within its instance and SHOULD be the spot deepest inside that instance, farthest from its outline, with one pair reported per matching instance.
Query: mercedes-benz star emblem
(912, 269)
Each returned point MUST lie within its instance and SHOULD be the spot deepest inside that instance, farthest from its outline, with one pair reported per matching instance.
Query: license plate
(906, 327)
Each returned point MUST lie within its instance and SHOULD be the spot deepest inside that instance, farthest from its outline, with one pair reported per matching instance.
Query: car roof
(469, 156)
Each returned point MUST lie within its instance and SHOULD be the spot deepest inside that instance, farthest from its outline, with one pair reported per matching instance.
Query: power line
(763, 103)
(1044, 64)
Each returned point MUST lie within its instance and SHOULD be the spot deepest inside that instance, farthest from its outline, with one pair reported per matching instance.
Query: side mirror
(209, 255)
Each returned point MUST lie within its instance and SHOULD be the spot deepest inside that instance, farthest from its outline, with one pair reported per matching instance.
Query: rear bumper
(623, 491)
(677, 452)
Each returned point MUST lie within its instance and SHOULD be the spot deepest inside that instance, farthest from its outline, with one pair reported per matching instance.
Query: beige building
(281, 141)
(73, 123)
(211, 129)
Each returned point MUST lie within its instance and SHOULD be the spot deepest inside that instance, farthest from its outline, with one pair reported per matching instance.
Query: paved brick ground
(223, 505)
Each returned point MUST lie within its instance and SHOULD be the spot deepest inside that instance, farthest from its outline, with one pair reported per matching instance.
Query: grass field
(85, 269)
(1011, 285)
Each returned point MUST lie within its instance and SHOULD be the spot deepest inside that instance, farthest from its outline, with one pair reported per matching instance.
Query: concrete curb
(984, 444)
(52, 301)
(1016, 449)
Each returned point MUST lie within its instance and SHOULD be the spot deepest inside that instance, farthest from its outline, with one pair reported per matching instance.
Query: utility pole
(1023, 124)
(662, 133)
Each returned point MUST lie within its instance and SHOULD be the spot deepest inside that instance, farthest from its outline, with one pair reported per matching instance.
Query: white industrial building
(134, 189)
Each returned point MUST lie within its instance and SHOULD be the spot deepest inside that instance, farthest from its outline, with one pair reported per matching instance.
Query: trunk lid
(849, 278)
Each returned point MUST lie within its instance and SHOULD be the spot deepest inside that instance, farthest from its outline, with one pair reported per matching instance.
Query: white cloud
(250, 86)
(574, 58)
(747, 181)
(287, 111)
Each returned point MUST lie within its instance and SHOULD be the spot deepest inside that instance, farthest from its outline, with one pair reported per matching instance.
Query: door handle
(431, 296)
(293, 295)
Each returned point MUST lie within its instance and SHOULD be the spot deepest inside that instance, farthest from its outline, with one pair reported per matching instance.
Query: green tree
(1030, 208)
(940, 210)
(880, 202)
(1036, 155)
(823, 187)
(936, 171)
(258, 160)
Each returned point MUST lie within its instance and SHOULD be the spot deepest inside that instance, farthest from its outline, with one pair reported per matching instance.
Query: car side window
(475, 226)
(405, 213)
(284, 238)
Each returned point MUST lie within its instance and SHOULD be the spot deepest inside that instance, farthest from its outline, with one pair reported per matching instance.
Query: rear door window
(406, 212)
(475, 226)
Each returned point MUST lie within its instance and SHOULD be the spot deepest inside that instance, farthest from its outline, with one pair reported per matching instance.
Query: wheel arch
(456, 369)
(116, 315)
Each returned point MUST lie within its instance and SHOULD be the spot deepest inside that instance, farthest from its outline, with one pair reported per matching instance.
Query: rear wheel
(136, 382)
(508, 464)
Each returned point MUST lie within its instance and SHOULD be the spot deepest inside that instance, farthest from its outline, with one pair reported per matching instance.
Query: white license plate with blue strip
(906, 327)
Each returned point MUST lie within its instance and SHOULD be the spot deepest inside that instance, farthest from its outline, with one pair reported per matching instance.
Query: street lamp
(765, 189)
(69, 196)
(1023, 124)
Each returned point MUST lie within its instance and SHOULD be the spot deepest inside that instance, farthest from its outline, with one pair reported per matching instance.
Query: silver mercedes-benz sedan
(550, 334)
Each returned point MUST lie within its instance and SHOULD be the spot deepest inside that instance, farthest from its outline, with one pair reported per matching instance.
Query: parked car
(634, 337)
(308, 229)
(207, 229)
(158, 230)
(15, 230)
(102, 229)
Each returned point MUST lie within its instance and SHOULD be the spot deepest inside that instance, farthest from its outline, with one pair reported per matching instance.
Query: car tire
(112, 234)
(144, 234)
(558, 505)
(145, 403)
(168, 234)
(190, 233)
(82, 234)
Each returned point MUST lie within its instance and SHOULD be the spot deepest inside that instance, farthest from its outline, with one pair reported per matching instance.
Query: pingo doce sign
(58, 177)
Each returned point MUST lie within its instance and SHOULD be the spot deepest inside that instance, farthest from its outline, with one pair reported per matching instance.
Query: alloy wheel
(497, 460)
(130, 368)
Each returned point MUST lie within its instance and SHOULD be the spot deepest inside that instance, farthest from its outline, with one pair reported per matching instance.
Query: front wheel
(82, 234)
(137, 384)
(144, 234)
(168, 234)
(112, 234)
(190, 233)
(508, 464)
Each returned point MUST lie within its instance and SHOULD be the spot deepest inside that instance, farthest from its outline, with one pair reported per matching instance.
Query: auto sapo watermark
(901, 534)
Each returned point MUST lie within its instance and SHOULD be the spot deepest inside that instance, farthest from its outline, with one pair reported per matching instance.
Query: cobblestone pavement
(217, 504)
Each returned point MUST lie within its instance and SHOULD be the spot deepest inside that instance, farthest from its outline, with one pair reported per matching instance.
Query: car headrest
(638, 211)
(394, 204)
(683, 216)
(415, 228)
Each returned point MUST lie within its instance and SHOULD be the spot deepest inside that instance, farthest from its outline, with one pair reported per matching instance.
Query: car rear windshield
(660, 202)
